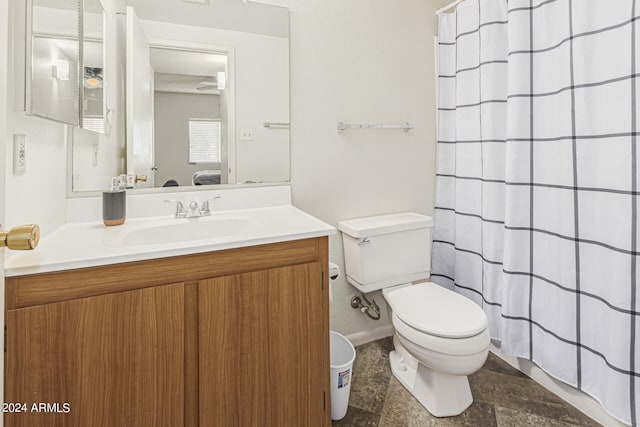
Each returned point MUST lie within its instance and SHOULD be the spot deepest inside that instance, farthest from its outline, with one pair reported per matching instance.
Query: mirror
(186, 129)
(95, 156)
(93, 67)
(189, 93)
(53, 55)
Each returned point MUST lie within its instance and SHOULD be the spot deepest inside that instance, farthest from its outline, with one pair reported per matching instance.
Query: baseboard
(364, 337)
(580, 400)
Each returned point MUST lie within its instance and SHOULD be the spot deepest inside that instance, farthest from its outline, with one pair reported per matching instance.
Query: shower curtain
(536, 215)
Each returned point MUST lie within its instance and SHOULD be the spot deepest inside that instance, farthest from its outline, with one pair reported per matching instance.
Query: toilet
(440, 337)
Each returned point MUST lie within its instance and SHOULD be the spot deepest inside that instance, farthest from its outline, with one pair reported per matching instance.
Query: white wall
(37, 196)
(363, 62)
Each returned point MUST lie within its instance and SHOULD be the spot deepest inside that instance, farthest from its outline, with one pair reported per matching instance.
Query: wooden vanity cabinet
(113, 359)
(228, 338)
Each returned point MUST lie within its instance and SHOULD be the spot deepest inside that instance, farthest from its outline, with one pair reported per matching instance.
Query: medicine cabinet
(59, 61)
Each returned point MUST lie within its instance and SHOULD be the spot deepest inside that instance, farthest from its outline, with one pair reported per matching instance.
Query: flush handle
(364, 242)
(22, 238)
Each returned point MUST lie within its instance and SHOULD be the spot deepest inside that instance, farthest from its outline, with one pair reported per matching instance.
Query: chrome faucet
(180, 211)
(205, 206)
(193, 211)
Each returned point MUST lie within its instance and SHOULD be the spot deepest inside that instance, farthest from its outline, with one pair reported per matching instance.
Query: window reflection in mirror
(93, 67)
(52, 75)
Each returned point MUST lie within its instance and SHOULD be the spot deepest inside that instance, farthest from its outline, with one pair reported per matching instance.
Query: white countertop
(89, 244)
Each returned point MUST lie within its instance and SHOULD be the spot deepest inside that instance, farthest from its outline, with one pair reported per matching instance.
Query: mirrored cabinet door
(93, 83)
(53, 60)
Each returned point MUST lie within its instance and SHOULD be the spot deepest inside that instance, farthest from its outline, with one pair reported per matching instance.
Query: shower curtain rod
(449, 6)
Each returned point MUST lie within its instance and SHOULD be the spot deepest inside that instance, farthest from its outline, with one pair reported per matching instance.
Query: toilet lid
(434, 310)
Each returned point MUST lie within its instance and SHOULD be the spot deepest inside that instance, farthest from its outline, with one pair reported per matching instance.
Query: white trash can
(342, 356)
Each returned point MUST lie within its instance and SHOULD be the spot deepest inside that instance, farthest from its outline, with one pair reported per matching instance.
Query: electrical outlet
(246, 135)
(19, 154)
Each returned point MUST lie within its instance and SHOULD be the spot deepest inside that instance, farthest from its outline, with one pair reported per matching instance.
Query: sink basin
(181, 230)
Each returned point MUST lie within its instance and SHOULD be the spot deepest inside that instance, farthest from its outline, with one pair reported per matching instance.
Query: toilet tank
(386, 250)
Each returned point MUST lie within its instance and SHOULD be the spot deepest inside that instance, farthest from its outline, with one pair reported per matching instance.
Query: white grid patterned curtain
(536, 213)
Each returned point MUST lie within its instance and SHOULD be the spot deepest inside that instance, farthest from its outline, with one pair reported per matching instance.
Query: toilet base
(442, 395)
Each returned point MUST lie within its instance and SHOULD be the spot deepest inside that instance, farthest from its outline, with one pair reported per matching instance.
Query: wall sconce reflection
(61, 69)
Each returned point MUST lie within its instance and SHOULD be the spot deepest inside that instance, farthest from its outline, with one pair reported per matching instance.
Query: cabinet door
(116, 360)
(263, 343)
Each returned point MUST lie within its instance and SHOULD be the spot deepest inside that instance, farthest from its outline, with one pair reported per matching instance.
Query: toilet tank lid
(383, 224)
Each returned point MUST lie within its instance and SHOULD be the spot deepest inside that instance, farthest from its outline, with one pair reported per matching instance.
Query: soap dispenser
(114, 202)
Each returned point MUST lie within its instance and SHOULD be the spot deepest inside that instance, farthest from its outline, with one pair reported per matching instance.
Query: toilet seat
(436, 311)
(450, 346)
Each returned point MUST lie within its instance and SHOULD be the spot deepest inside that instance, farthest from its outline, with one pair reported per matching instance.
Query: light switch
(246, 135)
(19, 154)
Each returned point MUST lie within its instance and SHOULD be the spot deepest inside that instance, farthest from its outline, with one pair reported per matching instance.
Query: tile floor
(503, 397)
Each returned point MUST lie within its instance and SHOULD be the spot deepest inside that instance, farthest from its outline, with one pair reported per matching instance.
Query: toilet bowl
(440, 337)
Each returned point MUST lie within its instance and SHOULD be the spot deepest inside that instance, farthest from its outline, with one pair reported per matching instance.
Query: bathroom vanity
(228, 332)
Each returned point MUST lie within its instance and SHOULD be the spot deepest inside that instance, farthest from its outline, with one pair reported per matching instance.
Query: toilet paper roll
(334, 272)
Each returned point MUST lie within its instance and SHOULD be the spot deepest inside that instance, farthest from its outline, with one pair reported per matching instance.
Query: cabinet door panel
(117, 359)
(263, 349)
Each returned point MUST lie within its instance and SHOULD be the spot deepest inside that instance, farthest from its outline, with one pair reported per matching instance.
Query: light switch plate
(19, 154)
(246, 135)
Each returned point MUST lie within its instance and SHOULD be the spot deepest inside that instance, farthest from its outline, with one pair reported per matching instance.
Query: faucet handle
(205, 205)
(180, 211)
